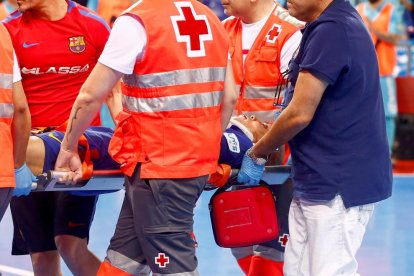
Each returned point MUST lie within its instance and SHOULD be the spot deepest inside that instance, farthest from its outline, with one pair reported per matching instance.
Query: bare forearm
(83, 112)
(93, 92)
(114, 101)
(282, 130)
(21, 125)
(226, 112)
(21, 133)
(229, 98)
(388, 37)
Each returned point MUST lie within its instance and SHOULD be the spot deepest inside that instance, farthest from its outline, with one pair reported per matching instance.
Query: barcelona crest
(77, 44)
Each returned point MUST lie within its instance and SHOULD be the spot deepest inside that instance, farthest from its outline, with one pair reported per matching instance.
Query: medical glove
(24, 179)
(250, 172)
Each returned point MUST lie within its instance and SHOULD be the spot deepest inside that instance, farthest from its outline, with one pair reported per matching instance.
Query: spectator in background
(7, 7)
(110, 9)
(409, 17)
(382, 22)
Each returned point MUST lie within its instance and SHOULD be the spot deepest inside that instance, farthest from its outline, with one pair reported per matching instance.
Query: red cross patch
(273, 33)
(162, 260)
(191, 28)
(283, 240)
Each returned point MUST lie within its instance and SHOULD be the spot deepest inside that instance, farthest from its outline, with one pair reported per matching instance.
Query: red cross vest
(386, 52)
(170, 121)
(6, 110)
(111, 9)
(260, 76)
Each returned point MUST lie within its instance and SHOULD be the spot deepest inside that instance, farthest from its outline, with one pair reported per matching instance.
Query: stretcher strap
(220, 177)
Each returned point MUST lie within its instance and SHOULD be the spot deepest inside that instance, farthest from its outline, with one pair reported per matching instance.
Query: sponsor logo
(77, 44)
(56, 70)
(28, 45)
(232, 142)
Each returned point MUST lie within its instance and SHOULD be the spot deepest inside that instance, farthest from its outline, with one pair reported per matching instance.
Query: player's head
(38, 5)
(256, 127)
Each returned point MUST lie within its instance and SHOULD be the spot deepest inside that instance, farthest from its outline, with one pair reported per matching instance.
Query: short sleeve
(126, 44)
(326, 51)
(16, 69)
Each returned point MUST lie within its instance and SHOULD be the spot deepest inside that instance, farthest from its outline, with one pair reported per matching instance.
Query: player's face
(256, 127)
(26, 5)
(237, 8)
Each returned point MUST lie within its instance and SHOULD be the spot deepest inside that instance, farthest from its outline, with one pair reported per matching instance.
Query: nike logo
(73, 224)
(27, 45)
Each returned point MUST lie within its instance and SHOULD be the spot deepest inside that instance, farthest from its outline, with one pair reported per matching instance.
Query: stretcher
(104, 180)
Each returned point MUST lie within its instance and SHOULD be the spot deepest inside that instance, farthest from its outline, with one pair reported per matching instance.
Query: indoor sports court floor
(386, 251)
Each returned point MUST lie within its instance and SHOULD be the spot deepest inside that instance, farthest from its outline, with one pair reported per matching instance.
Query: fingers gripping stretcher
(93, 181)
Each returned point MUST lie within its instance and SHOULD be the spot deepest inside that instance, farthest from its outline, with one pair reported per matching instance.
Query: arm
(229, 98)
(297, 115)
(21, 125)
(91, 96)
(114, 101)
(391, 36)
(407, 5)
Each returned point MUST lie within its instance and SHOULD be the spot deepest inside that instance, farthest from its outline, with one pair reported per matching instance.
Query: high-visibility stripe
(126, 264)
(260, 92)
(264, 116)
(6, 110)
(176, 77)
(6, 80)
(171, 103)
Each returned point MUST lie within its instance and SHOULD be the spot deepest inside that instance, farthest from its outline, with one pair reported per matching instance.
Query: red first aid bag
(243, 217)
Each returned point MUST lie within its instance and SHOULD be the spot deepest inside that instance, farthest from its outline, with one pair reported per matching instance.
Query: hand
(250, 172)
(69, 161)
(24, 180)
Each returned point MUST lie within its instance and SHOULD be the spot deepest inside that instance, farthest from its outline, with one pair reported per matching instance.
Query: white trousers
(324, 237)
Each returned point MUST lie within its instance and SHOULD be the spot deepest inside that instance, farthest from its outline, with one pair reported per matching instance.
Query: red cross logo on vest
(283, 240)
(273, 34)
(161, 260)
(191, 28)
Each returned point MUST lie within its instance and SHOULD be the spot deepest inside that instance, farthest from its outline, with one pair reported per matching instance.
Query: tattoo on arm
(72, 120)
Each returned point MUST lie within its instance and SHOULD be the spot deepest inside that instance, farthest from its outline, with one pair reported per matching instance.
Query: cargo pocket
(124, 145)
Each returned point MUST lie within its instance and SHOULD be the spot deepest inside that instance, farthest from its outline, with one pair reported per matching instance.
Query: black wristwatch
(257, 160)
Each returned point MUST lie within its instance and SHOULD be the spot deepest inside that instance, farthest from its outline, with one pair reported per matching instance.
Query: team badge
(77, 44)
(273, 33)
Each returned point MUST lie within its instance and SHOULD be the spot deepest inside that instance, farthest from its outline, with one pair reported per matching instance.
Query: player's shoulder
(87, 15)
(12, 19)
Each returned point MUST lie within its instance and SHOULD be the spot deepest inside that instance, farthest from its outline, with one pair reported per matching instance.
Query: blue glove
(250, 172)
(24, 179)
